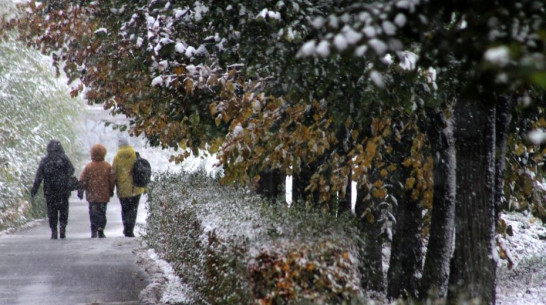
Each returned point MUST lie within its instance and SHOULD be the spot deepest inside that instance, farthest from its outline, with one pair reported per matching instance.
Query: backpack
(142, 172)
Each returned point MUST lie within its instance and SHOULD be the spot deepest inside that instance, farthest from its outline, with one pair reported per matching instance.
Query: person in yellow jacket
(128, 194)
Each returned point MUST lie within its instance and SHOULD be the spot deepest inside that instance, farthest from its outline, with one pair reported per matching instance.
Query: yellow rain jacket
(122, 167)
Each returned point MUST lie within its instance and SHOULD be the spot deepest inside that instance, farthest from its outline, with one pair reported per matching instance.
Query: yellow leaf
(179, 70)
(542, 122)
(258, 150)
(384, 173)
(371, 148)
(354, 135)
(407, 162)
(386, 132)
(215, 145)
(379, 193)
(229, 86)
(410, 182)
(213, 80)
(520, 149)
(188, 86)
(213, 109)
(378, 183)
(415, 194)
(370, 218)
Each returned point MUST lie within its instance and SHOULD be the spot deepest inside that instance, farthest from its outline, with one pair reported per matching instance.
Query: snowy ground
(525, 283)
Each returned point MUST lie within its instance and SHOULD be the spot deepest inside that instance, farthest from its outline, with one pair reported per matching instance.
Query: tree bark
(504, 117)
(406, 246)
(371, 266)
(473, 267)
(440, 243)
(406, 257)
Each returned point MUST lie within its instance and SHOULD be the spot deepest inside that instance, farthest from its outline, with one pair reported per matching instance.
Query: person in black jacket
(55, 169)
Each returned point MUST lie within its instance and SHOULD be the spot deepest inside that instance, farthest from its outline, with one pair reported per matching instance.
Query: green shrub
(34, 108)
(232, 247)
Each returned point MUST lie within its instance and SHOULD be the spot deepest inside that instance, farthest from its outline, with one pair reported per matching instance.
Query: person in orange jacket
(97, 181)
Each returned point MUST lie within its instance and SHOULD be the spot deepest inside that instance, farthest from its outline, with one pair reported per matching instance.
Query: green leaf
(539, 78)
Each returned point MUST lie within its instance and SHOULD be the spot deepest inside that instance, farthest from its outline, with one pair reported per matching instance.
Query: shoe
(54, 235)
(63, 235)
(94, 234)
(129, 234)
(101, 233)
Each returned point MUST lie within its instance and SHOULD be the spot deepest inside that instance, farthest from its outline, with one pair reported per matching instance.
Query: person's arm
(37, 179)
(113, 177)
(69, 167)
(83, 183)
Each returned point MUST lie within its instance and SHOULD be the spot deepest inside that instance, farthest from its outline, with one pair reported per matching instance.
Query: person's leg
(101, 218)
(93, 219)
(124, 208)
(129, 208)
(132, 215)
(63, 216)
(126, 212)
(52, 215)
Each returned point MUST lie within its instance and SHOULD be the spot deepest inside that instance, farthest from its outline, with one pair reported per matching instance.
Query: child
(97, 180)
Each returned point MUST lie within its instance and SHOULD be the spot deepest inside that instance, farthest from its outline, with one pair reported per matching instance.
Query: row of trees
(414, 100)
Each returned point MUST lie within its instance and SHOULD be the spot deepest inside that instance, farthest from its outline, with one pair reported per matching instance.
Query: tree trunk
(371, 266)
(406, 246)
(406, 257)
(473, 267)
(300, 181)
(344, 205)
(440, 244)
(504, 116)
(269, 184)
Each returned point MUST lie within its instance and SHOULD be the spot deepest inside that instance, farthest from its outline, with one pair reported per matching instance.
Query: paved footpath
(35, 270)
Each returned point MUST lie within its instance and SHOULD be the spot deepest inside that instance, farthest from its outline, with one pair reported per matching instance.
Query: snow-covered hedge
(34, 108)
(231, 247)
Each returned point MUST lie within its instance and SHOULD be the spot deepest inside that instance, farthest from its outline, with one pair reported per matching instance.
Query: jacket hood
(54, 147)
(98, 152)
(123, 142)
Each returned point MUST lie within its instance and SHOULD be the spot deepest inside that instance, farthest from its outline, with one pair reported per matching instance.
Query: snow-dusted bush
(34, 108)
(232, 247)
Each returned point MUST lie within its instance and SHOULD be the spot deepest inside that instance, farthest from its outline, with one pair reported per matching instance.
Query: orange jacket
(97, 179)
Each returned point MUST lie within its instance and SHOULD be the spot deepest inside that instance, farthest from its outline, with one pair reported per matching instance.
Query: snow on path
(525, 283)
(77, 270)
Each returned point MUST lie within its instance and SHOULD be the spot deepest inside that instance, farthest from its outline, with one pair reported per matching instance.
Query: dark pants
(129, 208)
(57, 212)
(97, 215)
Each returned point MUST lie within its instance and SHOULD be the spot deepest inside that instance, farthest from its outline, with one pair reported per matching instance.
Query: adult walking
(128, 194)
(97, 180)
(55, 170)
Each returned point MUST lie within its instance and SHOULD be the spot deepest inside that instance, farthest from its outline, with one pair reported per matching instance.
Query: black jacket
(55, 169)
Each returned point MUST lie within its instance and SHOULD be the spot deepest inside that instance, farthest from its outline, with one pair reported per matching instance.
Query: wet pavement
(77, 270)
